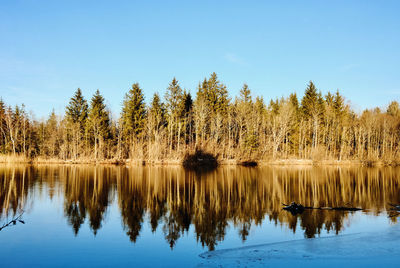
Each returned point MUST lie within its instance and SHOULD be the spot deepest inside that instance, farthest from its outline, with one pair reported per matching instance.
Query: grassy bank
(193, 161)
(14, 158)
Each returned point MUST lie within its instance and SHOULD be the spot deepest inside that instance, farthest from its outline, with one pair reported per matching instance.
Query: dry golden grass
(14, 158)
(291, 161)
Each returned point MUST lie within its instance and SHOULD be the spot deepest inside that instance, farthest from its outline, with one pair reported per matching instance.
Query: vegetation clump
(248, 163)
(200, 159)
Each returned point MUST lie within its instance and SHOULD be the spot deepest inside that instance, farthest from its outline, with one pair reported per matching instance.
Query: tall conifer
(133, 112)
(77, 109)
(98, 121)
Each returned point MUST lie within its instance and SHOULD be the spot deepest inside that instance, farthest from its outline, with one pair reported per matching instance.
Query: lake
(78, 215)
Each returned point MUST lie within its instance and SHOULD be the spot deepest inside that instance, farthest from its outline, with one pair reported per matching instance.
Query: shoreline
(178, 162)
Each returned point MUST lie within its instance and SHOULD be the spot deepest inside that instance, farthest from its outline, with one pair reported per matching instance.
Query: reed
(14, 158)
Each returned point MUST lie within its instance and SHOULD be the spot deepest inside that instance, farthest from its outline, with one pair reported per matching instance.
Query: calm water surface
(166, 216)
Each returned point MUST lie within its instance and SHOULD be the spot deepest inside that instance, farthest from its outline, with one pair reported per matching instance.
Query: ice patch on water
(357, 250)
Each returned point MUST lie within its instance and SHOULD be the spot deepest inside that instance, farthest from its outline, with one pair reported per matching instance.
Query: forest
(244, 128)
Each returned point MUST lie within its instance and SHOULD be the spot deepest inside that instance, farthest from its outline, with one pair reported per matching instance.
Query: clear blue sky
(50, 48)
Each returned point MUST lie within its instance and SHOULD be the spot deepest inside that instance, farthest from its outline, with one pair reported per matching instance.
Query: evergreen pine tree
(294, 101)
(98, 121)
(77, 109)
(187, 103)
(338, 105)
(293, 137)
(133, 113)
(245, 94)
(51, 137)
(309, 103)
(312, 107)
(76, 114)
(156, 113)
(188, 116)
(202, 112)
(244, 112)
(217, 96)
(175, 106)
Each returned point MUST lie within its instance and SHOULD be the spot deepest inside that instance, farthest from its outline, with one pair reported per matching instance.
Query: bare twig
(13, 221)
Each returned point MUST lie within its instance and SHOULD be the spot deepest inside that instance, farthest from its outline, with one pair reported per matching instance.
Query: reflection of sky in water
(47, 240)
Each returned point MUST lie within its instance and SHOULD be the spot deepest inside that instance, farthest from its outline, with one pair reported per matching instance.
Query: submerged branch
(295, 208)
(13, 221)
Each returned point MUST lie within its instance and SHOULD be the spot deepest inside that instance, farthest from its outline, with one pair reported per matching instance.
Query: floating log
(295, 208)
(345, 208)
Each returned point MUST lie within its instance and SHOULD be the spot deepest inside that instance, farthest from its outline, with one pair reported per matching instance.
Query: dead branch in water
(295, 208)
(394, 211)
(13, 221)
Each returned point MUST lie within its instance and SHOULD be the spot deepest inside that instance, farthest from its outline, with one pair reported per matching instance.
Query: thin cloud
(233, 58)
(349, 67)
(393, 92)
(18, 93)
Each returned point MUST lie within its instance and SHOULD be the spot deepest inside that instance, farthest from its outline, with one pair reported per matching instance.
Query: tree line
(315, 126)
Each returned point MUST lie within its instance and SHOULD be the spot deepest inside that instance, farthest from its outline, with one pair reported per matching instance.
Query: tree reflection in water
(175, 199)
